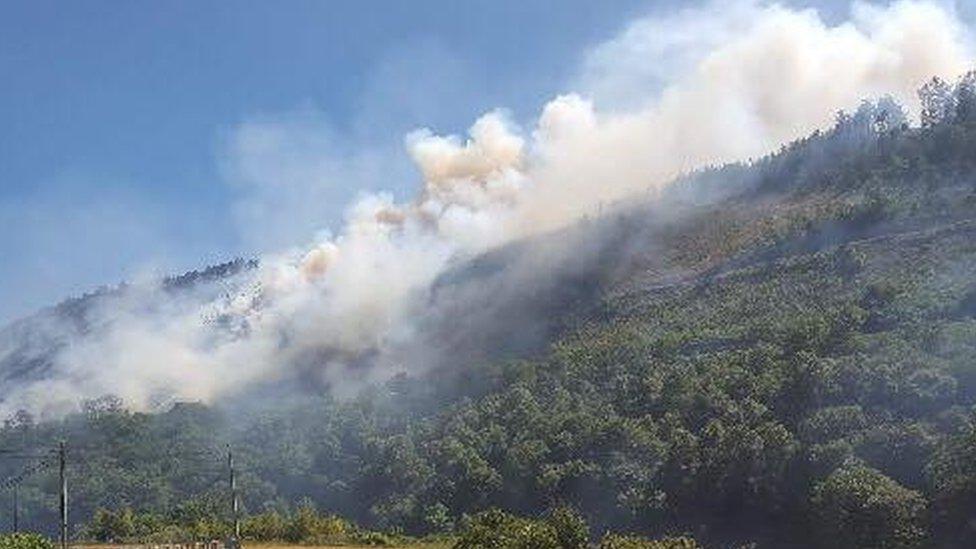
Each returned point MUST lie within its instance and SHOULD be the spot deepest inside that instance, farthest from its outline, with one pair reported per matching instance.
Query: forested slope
(791, 361)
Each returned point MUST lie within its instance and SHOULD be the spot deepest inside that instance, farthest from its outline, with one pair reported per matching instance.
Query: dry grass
(415, 545)
(267, 545)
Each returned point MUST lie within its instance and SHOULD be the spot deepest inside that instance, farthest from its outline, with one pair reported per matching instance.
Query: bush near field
(24, 540)
(562, 528)
(303, 526)
(559, 528)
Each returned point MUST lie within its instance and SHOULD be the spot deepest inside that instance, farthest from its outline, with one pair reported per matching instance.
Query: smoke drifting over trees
(587, 312)
(350, 305)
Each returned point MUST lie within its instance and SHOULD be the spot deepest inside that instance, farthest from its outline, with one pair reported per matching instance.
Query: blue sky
(120, 121)
(112, 114)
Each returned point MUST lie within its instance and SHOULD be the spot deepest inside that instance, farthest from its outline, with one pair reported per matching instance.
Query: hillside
(779, 353)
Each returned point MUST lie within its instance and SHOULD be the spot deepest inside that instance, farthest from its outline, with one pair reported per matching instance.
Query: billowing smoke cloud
(670, 94)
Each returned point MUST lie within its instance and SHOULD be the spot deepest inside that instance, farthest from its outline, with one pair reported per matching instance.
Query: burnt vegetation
(793, 364)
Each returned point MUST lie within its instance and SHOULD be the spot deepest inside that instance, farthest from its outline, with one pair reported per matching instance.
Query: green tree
(857, 506)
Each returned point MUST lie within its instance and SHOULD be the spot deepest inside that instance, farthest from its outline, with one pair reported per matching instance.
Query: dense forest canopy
(793, 363)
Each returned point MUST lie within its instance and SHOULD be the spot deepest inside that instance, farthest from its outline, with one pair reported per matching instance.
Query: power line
(86, 457)
(15, 481)
(11, 482)
(12, 453)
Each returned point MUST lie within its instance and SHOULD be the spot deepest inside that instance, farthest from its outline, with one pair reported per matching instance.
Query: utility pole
(64, 495)
(16, 510)
(235, 506)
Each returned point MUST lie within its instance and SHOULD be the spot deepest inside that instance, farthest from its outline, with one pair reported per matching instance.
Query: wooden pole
(62, 462)
(235, 506)
(16, 510)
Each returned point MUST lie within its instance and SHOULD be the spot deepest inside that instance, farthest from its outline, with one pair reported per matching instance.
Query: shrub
(496, 529)
(571, 529)
(616, 541)
(373, 538)
(561, 528)
(438, 518)
(24, 540)
(307, 526)
(109, 526)
(266, 526)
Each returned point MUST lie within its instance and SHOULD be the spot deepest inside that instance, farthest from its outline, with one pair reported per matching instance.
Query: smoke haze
(670, 94)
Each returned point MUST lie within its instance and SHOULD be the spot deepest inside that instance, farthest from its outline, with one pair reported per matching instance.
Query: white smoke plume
(671, 93)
